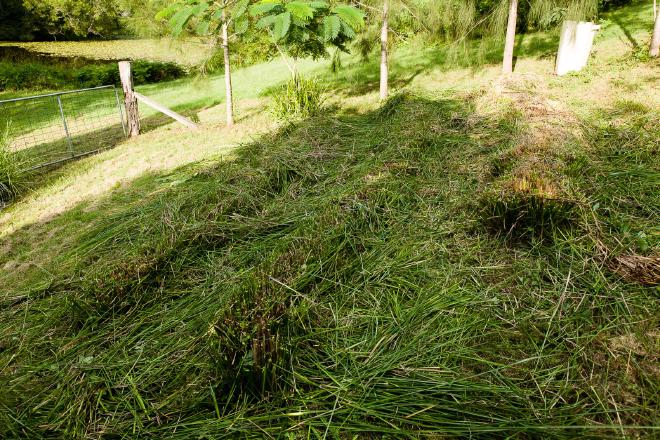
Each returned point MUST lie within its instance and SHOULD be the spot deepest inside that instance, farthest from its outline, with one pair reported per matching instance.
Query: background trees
(75, 18)
(435, 21)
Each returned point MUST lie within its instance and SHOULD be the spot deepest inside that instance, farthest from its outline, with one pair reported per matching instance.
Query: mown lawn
(474, 258)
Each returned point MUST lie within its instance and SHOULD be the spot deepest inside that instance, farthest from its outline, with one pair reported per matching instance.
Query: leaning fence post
(132, 115)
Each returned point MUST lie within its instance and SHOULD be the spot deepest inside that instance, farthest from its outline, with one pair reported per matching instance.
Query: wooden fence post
(132, 115)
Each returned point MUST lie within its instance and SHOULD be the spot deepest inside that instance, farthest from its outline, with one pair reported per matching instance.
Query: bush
(10, 170)
(298, 98)
(35, 75)
(144, 72)
(31, 76)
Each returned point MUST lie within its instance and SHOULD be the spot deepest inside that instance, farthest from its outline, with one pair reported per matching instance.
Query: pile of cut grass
(335, 279)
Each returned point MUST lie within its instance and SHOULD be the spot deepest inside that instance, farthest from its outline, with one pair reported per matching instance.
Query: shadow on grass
(361, 77)
(50, 157)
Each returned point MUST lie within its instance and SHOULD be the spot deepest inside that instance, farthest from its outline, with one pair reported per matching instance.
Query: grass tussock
(298, 98)
(318, 286)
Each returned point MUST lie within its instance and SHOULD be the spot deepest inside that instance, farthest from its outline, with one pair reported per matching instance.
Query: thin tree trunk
(507, 63)
(228, 89)
(291, 67)
(655, 39)
(384, 68)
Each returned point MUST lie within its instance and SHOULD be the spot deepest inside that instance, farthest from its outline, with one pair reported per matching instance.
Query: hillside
(477, 257)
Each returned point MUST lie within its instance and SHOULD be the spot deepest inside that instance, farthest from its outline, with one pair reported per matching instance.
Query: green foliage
(298, 98)
(144, 72)
(307, 28)
(448, 21)
(35, 74)
(550, 13)
(76, 18)
(252, 48)
(205, 18)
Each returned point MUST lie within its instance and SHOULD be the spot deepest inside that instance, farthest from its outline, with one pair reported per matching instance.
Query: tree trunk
(384, 68)
(228, 90)
(655, 39)
(507, 64)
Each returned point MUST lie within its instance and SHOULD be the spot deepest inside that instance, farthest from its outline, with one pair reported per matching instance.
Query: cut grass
(317, 284)
(335, 278)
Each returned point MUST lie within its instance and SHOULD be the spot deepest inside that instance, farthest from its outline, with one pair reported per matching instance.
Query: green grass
(182, 52)
(346, 275)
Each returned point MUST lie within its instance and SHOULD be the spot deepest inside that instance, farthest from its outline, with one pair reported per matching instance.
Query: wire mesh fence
(47, 129)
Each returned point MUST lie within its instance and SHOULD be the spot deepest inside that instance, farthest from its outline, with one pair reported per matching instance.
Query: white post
(575, 43)
(384, 67)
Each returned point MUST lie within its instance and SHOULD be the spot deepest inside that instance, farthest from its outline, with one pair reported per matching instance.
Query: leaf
(199, 9)
(239, 9)
(319, 5)
(281, 26)
(265, 7)
(203, 27)
(353, 17)
(347, 31)
(266, 21)
(300, 10)
(167, 12)
(180, 19)
(241, 25)
(331, 27)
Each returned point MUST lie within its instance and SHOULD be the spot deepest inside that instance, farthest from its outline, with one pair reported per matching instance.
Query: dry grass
(638, 268)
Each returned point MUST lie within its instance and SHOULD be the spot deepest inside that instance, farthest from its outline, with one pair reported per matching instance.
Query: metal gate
(47, 129)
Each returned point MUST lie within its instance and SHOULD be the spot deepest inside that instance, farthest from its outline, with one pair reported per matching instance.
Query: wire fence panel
(48, 129)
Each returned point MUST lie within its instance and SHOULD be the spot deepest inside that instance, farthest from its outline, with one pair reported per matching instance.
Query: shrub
(298, 98)
(35, 75)
(144, 72)
(22, 76)
(10, 170)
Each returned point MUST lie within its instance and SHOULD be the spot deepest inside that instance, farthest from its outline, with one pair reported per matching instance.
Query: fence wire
(48, 129)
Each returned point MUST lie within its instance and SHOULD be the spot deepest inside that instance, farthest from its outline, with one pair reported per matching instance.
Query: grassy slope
(345, 274)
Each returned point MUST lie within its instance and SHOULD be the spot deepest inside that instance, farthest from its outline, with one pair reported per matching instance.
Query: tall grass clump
(299, 98)
(10, 169)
